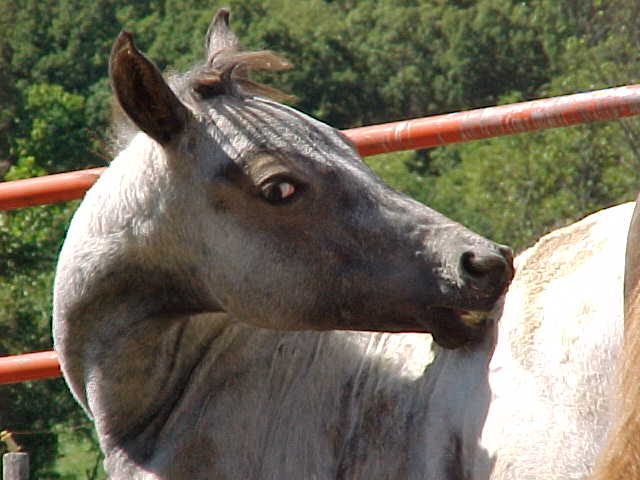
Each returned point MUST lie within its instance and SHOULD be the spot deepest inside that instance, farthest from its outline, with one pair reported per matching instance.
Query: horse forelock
(228, 73)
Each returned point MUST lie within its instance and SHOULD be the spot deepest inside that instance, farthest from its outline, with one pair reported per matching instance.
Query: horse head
(225, 199)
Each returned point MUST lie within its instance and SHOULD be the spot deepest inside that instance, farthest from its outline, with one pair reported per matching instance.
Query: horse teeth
(473, 318)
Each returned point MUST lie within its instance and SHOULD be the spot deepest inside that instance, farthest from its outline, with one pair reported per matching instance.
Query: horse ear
(143, 93)
(219, 36)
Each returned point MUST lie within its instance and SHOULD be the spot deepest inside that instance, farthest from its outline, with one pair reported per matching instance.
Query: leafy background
(357, 62)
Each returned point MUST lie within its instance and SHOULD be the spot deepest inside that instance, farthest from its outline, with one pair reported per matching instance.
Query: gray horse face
(283, 224)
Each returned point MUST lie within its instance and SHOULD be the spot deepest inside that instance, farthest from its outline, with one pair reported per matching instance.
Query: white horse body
(552, 372)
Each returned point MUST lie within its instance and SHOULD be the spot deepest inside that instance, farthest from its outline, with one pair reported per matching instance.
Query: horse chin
(459, 328)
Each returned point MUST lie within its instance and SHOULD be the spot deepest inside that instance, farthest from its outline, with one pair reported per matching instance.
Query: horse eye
(278, 191)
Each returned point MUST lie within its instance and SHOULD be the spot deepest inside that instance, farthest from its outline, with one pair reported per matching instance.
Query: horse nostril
(486, 271)
(480, 264)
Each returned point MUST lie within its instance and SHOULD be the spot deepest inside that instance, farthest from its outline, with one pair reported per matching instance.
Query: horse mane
(621, 457)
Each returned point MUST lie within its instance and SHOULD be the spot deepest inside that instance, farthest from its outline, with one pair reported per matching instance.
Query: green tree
(48, 135)
(516, 188)
(51, 133)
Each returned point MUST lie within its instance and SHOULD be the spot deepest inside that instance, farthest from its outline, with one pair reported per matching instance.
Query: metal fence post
(15, 466)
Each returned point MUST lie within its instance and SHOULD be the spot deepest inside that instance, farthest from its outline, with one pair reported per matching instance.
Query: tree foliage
(357, 62)
(517, 188)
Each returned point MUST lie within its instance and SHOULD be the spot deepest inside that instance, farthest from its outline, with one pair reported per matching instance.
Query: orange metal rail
(48, 189)
(390, 137)
(405, 135)
(29, 366)
(496, 121)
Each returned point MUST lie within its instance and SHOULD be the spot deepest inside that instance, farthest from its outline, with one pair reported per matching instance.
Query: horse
(239, 296)
(224, 297)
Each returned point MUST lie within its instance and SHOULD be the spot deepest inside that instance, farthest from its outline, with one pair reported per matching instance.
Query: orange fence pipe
(390, 137)
(496, 121)
(48, 189)
(29, 366)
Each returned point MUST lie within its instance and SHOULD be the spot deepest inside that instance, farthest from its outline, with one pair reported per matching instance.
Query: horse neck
(123, 364)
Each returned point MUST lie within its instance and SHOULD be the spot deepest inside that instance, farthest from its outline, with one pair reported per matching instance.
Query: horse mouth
(472, 318)
(460, 327)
